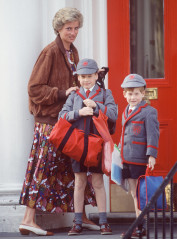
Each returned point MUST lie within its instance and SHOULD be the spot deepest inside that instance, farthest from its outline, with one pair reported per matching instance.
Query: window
(147, 38)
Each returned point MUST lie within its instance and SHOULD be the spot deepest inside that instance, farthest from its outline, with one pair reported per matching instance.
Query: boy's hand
(152, 162)
(86, 111)
(89, 103)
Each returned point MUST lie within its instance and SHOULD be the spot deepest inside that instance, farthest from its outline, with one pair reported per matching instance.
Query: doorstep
(127, 217)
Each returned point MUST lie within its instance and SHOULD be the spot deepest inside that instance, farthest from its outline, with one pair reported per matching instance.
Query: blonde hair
(65, 15)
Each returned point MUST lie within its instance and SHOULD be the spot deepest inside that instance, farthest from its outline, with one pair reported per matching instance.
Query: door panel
(119, 64)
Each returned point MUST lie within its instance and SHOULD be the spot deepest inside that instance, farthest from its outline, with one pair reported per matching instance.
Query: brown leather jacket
(50, 78)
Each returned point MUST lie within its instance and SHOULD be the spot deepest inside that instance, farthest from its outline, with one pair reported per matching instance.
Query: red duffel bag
(77, 144)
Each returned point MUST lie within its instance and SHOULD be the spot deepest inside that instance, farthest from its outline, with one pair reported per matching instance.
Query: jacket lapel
(138, 108)
(81, 93)
(93, 93)
(96, 90)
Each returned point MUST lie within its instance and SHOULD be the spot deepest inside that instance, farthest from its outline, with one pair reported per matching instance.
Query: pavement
(63, 234)
(116, 228)
(119, 222)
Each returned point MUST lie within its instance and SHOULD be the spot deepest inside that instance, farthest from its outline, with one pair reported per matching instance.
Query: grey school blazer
(140, 134)
(75, 102)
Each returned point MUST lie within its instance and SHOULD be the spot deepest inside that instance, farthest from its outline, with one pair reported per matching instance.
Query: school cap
(86, 67)
(133, 80)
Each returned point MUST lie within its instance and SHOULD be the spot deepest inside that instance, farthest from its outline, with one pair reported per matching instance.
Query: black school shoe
(137, 233)
(105, 229)
(75, 230)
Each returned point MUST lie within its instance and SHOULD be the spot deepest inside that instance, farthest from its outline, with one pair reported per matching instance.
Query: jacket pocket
(139, 149)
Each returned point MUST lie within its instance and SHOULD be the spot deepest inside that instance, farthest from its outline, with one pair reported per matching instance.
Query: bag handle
(87, 131)
(149, 172)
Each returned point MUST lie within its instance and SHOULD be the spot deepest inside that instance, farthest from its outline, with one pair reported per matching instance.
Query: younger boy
(87, 102)
(139, 139)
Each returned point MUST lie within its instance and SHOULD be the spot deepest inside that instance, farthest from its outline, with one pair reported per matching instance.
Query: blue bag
(146, 187)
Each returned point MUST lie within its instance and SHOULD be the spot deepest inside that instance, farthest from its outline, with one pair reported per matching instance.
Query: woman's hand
(152, 162)
(89, 103)
(74, 88)
(86, 111)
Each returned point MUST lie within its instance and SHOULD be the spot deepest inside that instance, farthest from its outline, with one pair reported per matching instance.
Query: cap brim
(86, 71)
(132, 85)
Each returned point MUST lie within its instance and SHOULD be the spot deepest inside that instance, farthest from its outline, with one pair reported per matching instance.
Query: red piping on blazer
(97, 92)
(137, 122)
(83, 97)
(151, 146)
(123, 130)
(143, 164)
(135, 142)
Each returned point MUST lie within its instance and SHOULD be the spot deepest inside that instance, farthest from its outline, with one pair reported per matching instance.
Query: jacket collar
(61, 46)
(93, 93)
(137, 109)
(62, 49)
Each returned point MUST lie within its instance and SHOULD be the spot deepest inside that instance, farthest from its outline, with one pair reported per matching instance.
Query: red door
(119, 64)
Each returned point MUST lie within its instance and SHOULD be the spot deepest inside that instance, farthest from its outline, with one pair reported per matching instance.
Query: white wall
(26, 28)
(21, 39)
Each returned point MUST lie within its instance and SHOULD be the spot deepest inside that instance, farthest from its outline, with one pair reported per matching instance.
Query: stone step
(11, 217)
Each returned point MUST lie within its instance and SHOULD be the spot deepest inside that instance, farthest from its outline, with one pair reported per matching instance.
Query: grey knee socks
(102, 217)
(78, 218)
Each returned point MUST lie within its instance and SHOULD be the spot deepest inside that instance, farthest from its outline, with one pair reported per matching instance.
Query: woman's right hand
(86, 111)
(74, 88)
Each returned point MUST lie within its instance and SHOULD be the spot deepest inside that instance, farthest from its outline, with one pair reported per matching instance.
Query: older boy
(139, 139)
(87, 102)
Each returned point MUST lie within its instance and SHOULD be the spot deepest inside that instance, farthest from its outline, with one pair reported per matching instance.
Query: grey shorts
(80, 168)
(133, 171)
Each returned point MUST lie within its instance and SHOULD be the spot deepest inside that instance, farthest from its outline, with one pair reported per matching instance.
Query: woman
(49, 180)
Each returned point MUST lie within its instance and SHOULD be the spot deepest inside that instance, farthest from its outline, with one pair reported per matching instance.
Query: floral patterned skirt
(49, 180)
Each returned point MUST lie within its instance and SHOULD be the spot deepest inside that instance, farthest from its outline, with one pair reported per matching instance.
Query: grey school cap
(86, 67)
(133, 80)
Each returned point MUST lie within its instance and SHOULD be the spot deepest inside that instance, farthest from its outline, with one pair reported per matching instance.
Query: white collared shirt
(89, 89)
(131, 108)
